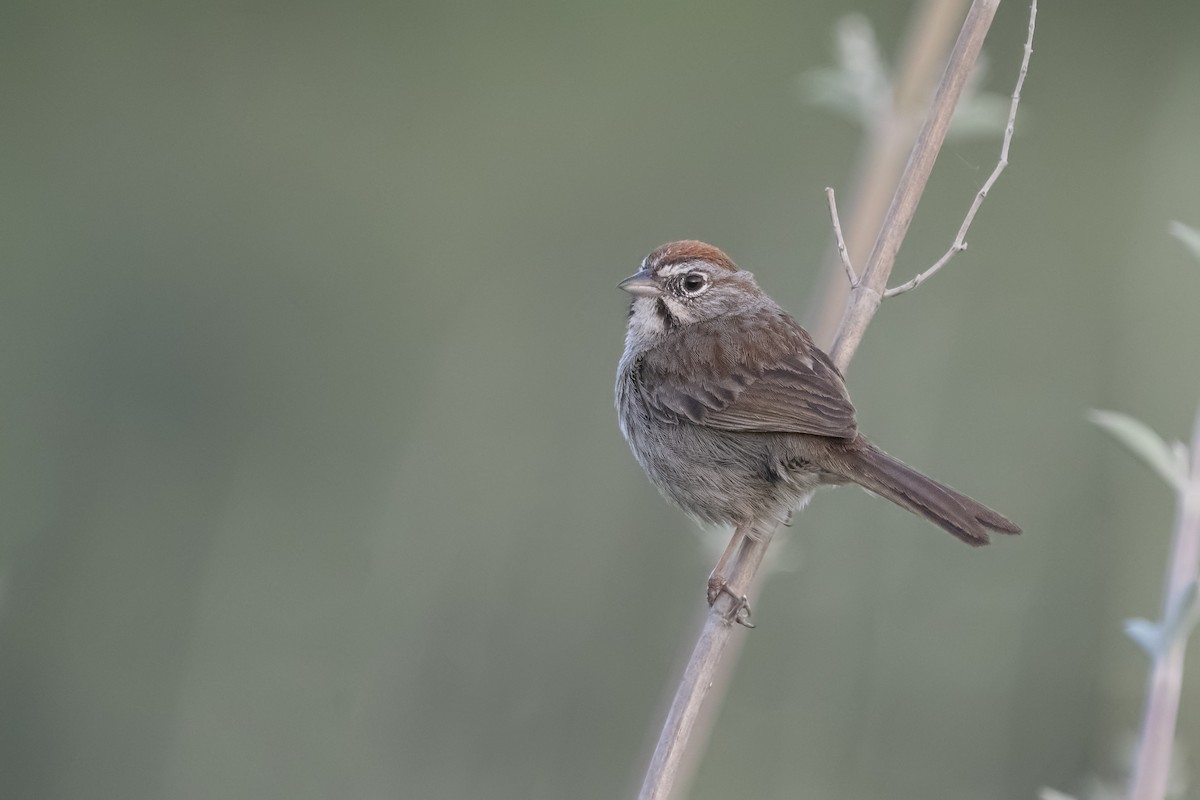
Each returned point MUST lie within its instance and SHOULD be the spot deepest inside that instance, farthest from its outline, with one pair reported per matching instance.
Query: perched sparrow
(737, 417)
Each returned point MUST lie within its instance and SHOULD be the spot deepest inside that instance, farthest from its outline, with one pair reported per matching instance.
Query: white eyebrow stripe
(677, 269)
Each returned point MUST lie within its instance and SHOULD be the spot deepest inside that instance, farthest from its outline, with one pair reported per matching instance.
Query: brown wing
(794, 388)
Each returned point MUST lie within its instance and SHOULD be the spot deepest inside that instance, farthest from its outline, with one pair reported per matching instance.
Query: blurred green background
(311, 479)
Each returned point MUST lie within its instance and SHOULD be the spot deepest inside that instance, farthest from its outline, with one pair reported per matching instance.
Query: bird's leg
(718, 580)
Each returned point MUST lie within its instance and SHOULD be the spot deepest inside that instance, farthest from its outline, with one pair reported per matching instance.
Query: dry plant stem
(960, 241)
(865, 298)
(697, 678)
(864, 301)
(1152, 767)
(885, 148)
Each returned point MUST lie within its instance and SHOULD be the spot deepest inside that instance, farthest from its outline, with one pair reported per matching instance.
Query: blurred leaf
(1189, 236)
(1157, 638)
(1046, 793)
(1147, 635)
(1180, 452)
(859, 87)
(1169, 461)
(980, 115)
(1183, 615)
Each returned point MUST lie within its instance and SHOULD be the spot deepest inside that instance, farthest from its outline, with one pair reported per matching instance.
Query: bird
(737, 417)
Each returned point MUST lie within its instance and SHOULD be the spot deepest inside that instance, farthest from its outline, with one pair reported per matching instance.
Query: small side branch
(843, 253)
(865, 298)
(960, 241)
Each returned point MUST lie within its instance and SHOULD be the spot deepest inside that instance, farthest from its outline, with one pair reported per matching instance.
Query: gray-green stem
(1153, 763)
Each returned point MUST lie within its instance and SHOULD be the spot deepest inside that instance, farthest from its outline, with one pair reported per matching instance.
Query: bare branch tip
(840, 239)
(960, 243)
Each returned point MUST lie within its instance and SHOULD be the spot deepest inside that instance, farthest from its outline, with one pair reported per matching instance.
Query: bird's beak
(640, 284)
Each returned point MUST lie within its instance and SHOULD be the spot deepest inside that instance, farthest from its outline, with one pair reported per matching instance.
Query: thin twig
(839, 239)
(864, 301)
(960, 241)
(865, 298)
(885, 149)
(1153, 764)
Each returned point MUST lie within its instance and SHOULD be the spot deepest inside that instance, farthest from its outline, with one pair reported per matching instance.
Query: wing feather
(794, 387)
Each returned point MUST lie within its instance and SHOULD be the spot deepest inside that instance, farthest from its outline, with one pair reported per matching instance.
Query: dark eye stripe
(664, 314)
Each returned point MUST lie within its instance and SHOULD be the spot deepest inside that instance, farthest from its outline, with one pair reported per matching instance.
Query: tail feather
(953, 511)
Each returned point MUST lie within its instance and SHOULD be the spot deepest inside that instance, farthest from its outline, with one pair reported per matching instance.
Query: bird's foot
(739, 610)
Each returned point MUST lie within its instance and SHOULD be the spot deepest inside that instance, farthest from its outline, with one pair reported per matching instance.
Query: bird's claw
(739, 612)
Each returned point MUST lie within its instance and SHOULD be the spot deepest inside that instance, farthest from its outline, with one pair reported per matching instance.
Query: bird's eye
(693, 282)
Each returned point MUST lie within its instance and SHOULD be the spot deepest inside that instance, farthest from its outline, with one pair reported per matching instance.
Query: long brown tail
(958, 514)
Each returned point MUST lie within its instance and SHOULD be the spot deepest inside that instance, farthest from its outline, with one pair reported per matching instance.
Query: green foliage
(1158, 637)
(1169, 461)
